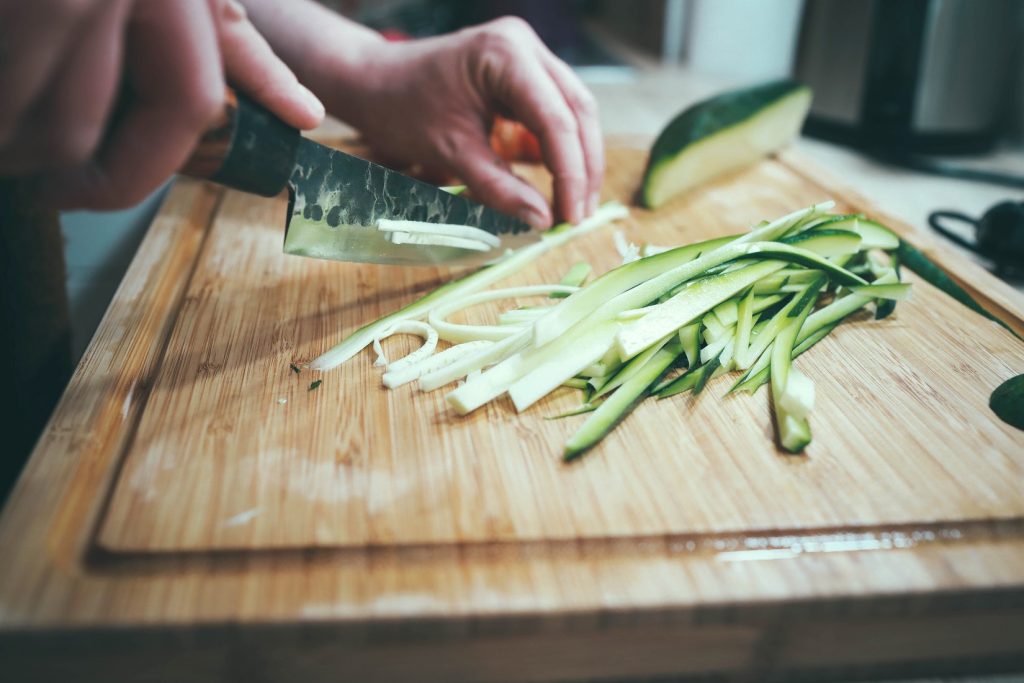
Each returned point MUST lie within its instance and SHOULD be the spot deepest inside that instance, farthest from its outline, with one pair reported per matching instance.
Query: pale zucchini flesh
(722, 135)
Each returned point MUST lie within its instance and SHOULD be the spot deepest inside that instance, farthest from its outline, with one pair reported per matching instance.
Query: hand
(432, 101)
(64, 64)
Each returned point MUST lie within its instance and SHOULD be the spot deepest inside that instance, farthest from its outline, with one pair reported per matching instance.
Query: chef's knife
(336, 199)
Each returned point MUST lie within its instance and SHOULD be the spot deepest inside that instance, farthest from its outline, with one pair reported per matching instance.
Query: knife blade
(335, 198)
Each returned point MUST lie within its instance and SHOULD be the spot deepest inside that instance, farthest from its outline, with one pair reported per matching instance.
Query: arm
(432, 101)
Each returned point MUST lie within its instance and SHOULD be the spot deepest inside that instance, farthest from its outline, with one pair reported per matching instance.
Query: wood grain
(353, 532)
(235, 452)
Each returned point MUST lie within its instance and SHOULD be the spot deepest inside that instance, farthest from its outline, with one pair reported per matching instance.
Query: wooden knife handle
(247, 149)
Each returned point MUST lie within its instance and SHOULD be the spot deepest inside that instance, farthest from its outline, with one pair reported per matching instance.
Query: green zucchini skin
(1007, 401)
(712, 118)
(621, 403)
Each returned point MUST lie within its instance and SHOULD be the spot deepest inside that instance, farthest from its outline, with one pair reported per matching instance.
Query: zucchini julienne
(721, 134)
(789, 387)
(617, 406)
(468, 284)
(748, 302)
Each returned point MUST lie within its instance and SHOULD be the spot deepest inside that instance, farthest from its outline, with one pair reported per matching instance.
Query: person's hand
(67, 65)
(432, 101)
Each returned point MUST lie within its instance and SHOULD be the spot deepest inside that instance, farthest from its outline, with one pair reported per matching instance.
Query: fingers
(535, 100)
(584, 107)
(174, 73)
(494, 183)
(519, 73)
(252, 66)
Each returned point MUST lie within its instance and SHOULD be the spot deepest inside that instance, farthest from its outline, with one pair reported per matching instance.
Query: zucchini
(473, 282)
(933, 274)
(575, 277)
(722, 134)
(620, 403)
(825, 318)
(744, 326)
(873, 235)
(794, 430)
(695, 379)
(704, 294)
(744, 302)
(898, 291)
(750, 384)
(581, 304)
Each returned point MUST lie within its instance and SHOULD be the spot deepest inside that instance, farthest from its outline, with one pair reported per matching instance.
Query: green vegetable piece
(315, 384)
(899, 291)
(701, 375)
(705, 373)
(576, 276)
(873, 235)
(793, 429)
(295, 368)
(721, 134)
(468, 284)
(628, 370)
(752, 383)
(619, 404)
(885, 307)
(933, 274)
(582, 409)
(1007, 401)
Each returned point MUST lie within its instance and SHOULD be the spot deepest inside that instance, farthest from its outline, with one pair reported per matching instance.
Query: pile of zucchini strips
(663, 323)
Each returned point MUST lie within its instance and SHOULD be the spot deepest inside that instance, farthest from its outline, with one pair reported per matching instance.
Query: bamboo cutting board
(191, 483)
(233, 450)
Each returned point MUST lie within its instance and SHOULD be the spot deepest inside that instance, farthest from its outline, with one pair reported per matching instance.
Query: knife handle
(247, 148)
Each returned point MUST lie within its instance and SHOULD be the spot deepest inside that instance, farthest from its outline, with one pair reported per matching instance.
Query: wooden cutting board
(190, 476)
(234, 451)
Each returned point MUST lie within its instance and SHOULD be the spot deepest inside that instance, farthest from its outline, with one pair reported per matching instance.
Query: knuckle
(561, 124)
(203, 105)
(514, 25)
(584, 103)
(505, 34)
(232, 10)
(448, 145)
(71, 144)
(491, 44)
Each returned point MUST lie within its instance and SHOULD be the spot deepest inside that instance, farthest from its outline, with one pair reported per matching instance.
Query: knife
(335, 199)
